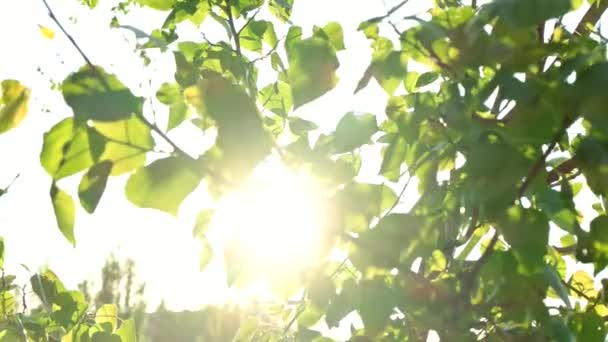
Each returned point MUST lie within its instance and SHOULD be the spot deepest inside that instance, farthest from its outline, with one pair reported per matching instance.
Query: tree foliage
(482, 99)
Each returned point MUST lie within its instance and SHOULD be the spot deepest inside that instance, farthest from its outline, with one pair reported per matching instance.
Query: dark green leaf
(96, 95)
(93, 184)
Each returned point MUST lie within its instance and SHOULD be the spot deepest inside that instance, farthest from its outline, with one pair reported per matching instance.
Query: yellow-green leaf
(13, 106)
(63, 204)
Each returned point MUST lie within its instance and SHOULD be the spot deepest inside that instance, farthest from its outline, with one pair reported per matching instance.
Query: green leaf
(169, 93)
(93, 184)
(359, 203)
(527, 231)
(320, 291)
(178, 113)
(376, 306)
(13, 105)
(394, 157)
(354, 130)
(2, 249)
(241, 140)
(96, 95)
(163, 184)
(333, 33)
(47, 286)
(68, 149)
(63, 205)
(312, 69)
(342, 304)
(598, 242)
(559, 209)
(592, 157)
(426, 78)
(162, 5)
(281, 9)
(107, 313)
(127, 142)
(127, 331)
(255, 33)
(300, 126)
(555, 281)
(206, 253)
(277, 98)
(203, 219)
(525, 13)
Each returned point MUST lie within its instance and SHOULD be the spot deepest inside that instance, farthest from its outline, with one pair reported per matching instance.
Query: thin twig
(248, 21)
(540, 162)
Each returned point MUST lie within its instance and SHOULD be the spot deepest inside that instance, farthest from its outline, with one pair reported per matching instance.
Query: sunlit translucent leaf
(277, 98)
(256, 32)
(63, 205)
(394, 156)
(388, 67)
(583, 283)
(312, 69)
(96, 95)
(8, 335)
(241, 141)
(107, 313)
(360, 202)
(169, 93)
(127, 142)
(203, 219)
(93, 184)
(71, 305)
(354, 130)
(158, 4)
(91, 3)
(206, 253)
(194, 10)
(163, 184)
(46, 32)
(47, 286)
(332, 32)
(243, 6)
(127, 331)
(13, 105)
(300, 126)
(68, 149)
(281, 8)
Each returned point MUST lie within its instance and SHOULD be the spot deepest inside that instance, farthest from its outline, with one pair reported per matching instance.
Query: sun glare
(274, 221)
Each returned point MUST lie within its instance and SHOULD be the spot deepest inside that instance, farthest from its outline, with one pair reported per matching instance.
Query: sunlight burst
(274, 222)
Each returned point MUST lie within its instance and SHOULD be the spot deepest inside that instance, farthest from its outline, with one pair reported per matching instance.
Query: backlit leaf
(162, 185)
(354, 130)
(63, 205)
(96, 95)
(93, 184)
(312, 69)
(14, 104)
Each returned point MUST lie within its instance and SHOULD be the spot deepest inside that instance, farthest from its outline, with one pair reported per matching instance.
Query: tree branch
(235, 33)
(540, 162)
(593, 14)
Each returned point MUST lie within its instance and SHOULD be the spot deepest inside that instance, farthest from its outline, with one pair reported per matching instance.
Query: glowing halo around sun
(273, 223)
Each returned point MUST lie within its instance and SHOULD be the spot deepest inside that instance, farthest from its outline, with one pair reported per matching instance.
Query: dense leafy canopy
(484, 100)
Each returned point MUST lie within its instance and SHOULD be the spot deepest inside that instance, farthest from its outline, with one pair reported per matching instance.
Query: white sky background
(148, 236)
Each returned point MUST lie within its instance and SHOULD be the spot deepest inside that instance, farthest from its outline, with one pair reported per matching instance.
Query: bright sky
(166, 254)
